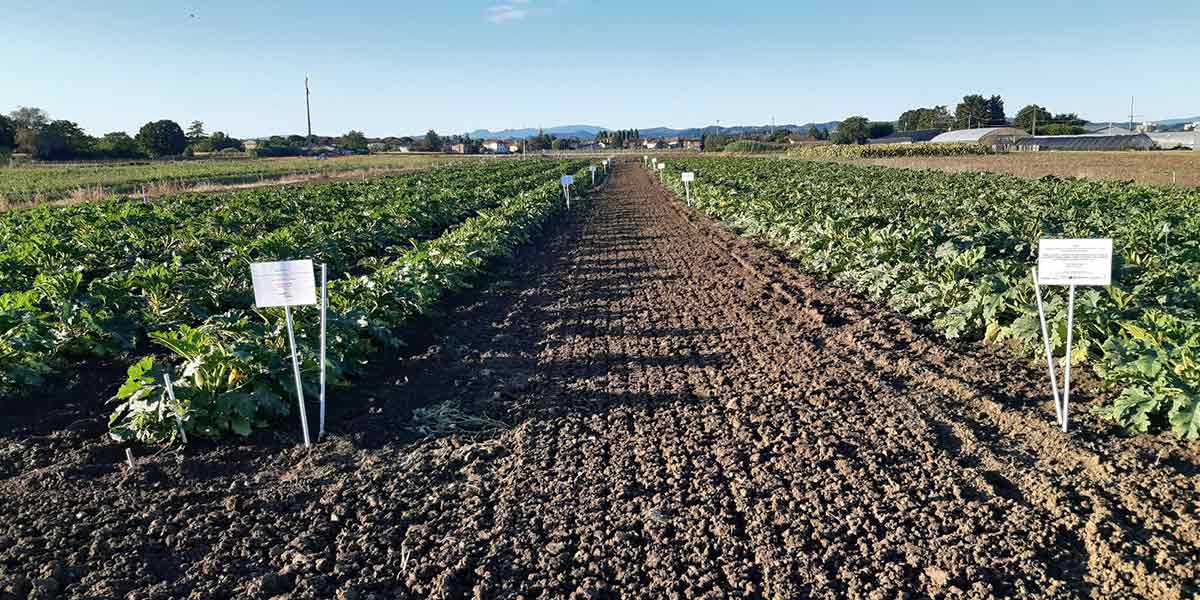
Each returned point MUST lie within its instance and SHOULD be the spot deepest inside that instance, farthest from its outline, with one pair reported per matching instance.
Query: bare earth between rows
(667, 410)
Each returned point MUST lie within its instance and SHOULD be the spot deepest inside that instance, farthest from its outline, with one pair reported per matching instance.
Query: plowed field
(683, 415)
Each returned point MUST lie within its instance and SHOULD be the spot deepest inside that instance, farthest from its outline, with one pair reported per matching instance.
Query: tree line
(974, 111)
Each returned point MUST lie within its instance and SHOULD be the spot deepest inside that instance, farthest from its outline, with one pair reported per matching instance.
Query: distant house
(250, 145)
(459, 148)
(693, 144)
(797, 139)
(652, 144)
(404, 148)
(496, 146)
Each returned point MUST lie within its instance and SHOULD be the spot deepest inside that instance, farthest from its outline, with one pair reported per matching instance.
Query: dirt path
(687, 417)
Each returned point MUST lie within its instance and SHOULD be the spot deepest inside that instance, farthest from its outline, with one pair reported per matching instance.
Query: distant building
(496, 146)
(1109, 129)
(908, 137)
(250, 144)
(1084, 142)
(693, 144)
(652, 144)
(1171, 140)
(984, 136)
(458, 148)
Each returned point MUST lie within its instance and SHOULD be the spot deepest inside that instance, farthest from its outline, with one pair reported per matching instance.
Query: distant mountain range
(587, 132)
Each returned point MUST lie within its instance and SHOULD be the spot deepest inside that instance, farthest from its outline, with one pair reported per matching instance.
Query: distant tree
(218, 141)
(8, 133)
(557, 144)
(715, 142)
(354, 140)
(433, 142)
(971, 112)
(995, 112)
(1026, 117)
(1069, 119)
(880, 129)
(780, 136)
(1061, 129)
(118, 144)
(195, 131)
(817, 133)
(65, 140)
(162, 138)
(936, 117)
(28, 117)
(296, 139)
(852, 130)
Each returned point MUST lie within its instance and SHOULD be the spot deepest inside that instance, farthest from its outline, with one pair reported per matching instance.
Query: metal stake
(1049, 351)
(287, 311)
(324, 310)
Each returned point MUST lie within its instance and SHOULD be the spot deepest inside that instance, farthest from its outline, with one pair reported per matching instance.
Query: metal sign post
(287, 284)
(1069, 262)
(324, 311)
(661, 167)
(593, 170)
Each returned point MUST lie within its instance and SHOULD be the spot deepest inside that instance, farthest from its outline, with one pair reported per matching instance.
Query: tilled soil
(684, 415)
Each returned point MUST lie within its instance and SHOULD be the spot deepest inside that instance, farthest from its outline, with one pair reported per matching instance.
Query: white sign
(689, 176)
(284, 283)
(1075, 262)
(568, 179)
(662, 166)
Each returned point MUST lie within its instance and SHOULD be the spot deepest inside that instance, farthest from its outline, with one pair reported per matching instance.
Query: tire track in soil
(690, 417)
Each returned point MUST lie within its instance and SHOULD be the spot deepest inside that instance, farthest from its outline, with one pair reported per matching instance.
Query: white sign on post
(1075, 262)
(567, 180)
(593, 170)
(1069, 262)
(689, 176)
(287, 283)
(283, 283)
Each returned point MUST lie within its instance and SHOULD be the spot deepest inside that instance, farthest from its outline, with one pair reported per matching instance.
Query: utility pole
(1131, 114)
(307, 111)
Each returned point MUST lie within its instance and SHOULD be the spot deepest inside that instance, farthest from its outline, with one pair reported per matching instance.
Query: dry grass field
(1181, 168)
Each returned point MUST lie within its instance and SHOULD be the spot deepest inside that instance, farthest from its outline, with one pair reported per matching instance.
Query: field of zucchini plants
(957, 249)
(165, 285)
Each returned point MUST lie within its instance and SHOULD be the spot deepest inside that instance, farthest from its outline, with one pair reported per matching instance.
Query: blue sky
(401, 67)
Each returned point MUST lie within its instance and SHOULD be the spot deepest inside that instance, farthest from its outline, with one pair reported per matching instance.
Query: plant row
(958, 249)
(888, 150)
(233, 370)
(94, 280)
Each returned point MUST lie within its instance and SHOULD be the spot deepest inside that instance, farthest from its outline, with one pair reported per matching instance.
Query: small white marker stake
(129, 458)
(171, 395)
(688, 177)
(567, 180)
(324, 310)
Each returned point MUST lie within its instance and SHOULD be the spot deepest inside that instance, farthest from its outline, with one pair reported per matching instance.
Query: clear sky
(402, 66)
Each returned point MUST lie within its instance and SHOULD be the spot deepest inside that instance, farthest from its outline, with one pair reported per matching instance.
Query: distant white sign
(689, 176)
(568, 179)
(283, 283)
(1075, 262)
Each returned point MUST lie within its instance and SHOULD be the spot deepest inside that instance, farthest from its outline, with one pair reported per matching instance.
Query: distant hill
(587, 132)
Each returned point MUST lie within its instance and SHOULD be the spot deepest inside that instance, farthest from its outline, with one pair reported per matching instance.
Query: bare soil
(685, 416)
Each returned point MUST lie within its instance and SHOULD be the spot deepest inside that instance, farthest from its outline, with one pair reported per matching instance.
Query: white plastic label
(689, 176)
(1075, 262)
(283, 283)
(568, 179)
(662, 166)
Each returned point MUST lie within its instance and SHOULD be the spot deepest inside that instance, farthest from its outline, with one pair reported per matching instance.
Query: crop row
(20, 184)
(957, 249)
(98, 279)
(887, 150)
(232, 370)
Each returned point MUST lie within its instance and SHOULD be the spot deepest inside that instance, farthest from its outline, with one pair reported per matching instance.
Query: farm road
(687, 416)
